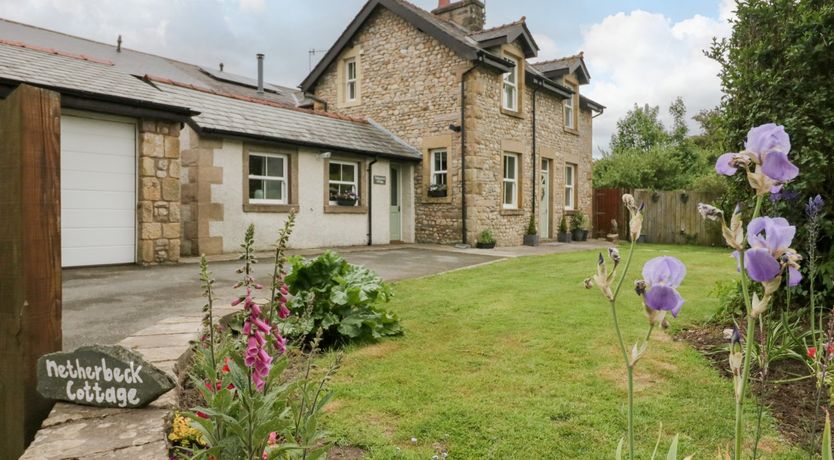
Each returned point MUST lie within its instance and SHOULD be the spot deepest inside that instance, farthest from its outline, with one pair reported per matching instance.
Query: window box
(437, 190)
(346, 201)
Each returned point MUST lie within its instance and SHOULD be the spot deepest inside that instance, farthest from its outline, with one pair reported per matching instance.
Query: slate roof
(139, 63)
(569, 64)
(508, 33)
(74, 75)
(225, 115)
(211, 111)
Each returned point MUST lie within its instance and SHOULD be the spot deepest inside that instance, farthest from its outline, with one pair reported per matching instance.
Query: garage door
(98, 191)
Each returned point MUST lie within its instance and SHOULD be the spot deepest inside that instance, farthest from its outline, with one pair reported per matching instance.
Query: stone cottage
(502, 139)
(161, 158)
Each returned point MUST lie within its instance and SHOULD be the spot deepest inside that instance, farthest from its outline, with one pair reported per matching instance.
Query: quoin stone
(103, 376)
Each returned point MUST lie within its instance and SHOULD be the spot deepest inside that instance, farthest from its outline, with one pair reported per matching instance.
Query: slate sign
(379, 180)
(103, 376)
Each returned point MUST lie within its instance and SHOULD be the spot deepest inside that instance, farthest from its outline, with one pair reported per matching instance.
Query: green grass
(516, 360)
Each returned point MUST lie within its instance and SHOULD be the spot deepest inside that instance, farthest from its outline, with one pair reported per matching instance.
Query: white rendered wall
(314, 228)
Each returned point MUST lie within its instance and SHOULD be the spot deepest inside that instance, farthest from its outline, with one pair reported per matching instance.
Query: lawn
(517, 360)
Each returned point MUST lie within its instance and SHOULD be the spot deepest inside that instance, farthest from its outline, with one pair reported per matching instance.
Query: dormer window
(350, 80)
(510, 93)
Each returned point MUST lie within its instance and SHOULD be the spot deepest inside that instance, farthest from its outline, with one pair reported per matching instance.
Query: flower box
(437, 193)
(481, 245)
(346, 202)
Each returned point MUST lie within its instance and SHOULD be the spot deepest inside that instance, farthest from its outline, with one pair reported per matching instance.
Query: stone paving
(82, 432)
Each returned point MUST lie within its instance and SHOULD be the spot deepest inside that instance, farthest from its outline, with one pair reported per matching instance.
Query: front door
(396, 218)
(544, 201)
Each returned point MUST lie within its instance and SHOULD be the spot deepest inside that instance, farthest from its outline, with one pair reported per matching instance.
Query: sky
(637, 51)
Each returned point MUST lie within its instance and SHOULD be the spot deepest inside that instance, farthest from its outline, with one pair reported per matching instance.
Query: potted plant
(485, 240)
(564, 235)
(345, 199)
(531, 237)
(579, 224)
(437, 190)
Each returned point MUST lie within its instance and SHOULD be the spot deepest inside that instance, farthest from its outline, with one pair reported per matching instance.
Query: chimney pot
(443, 3)
(260, 73)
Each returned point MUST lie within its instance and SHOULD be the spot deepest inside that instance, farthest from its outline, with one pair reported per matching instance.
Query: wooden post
(30, 257)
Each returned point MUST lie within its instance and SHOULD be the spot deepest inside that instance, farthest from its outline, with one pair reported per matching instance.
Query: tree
(640, 129)
(778, 66)
(645, 155)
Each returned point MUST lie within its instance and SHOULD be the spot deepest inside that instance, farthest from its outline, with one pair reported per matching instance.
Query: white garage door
(98, 191)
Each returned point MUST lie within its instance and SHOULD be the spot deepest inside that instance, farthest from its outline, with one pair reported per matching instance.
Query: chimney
(260, 73)
(469, 14)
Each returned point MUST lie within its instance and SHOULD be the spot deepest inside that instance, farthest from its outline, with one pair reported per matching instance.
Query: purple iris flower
(767, 145)
(770, 239)
(662, 276)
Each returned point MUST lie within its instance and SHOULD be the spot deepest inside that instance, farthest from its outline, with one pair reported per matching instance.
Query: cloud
(252, 5)
(642, 57)
(547, 47)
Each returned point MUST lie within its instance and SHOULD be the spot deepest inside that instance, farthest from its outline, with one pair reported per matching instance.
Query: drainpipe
(463, 145)
(370, 200)
(535, 163)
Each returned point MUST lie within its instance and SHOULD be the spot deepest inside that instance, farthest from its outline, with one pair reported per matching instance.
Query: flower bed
(252, 390)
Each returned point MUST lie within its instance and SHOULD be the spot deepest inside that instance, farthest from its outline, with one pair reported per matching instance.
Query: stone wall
(159, 192)
(490, 133)
(410, 84)
(198, 208)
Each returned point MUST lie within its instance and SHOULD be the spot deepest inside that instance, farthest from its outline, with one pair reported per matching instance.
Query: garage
(98, 190)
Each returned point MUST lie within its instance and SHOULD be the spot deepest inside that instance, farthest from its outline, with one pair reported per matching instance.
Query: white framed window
(509, 98)
(510, 196)
(343, 183)
(351, 88)
(439, 167)
(569, 112)
(570, 186)
(268, 178)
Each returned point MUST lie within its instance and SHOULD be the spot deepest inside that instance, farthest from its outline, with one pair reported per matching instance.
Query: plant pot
(642, 239)
(480, 245)
(563, 237)
(580, 235)
(531, 240)
(437, 193)
(346, 202)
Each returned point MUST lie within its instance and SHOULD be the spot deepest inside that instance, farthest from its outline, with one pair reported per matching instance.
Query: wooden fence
(672, 217)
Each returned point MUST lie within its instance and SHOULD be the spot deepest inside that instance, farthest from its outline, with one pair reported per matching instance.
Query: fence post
(30, 257)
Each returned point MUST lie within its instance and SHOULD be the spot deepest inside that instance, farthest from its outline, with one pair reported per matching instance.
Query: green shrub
(531, 227)
(563, 225)
(486, 237)
(340, 299)
(579, 221)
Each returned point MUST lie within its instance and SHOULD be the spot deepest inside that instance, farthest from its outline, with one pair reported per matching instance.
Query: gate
(608, 207)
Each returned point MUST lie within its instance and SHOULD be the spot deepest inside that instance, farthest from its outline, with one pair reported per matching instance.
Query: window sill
(437, 199)
(277, 208)
(347, 104)
(512, 113)
(336, 209)
(573, 131)
(511, 212)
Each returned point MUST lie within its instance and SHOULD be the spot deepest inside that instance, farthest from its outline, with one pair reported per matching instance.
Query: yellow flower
(182, 433)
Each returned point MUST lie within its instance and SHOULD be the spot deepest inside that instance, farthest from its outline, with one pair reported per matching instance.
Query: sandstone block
(151, 231)
(170, 189)
(151, 189)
